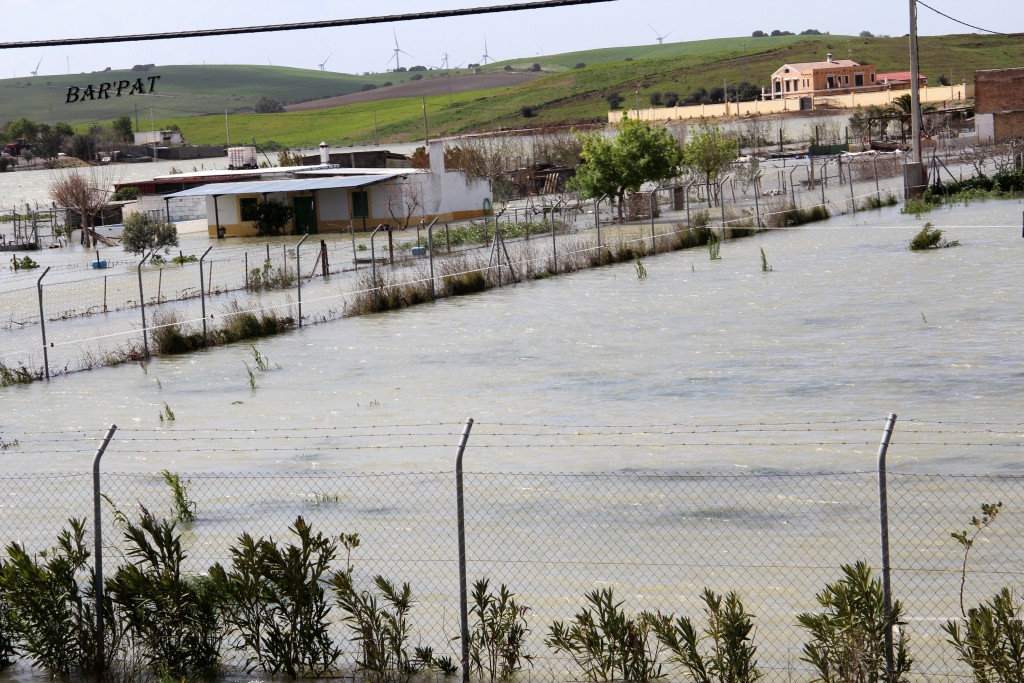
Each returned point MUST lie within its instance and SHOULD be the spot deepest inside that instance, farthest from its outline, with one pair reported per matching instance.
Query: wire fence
(69, 320)
(657, 538)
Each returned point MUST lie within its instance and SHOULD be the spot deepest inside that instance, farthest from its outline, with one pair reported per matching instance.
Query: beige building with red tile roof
(820, 79)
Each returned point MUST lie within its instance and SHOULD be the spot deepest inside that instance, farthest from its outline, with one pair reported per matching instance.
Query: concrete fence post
(42, 323)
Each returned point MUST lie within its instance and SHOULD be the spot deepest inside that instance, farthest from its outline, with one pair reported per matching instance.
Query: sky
(522, 34)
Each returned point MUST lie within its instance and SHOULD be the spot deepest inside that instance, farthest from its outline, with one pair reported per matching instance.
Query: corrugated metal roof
(290, 185)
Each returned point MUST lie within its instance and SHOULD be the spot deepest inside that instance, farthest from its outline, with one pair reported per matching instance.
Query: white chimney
(325, 153)
(829, 57)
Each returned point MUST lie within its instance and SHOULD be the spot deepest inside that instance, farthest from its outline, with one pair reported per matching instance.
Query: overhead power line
(330, 23)
(963, 23)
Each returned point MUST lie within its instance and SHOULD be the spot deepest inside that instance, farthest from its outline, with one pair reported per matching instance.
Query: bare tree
(85, 194)
(403, 201)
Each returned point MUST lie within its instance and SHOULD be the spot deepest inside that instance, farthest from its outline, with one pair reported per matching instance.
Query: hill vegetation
(575, 88)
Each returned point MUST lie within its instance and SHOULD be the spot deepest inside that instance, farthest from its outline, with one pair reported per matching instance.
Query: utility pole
(914, 178)
(426, 132)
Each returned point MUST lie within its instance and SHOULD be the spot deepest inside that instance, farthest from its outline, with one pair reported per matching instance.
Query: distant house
(999, 104)
(820, 79)
(158, 137)
(898, 80)
(326, 198)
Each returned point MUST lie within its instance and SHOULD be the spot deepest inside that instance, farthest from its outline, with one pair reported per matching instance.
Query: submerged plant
(184, 509)
(641, 272)
(167, 414)
(930, 237)
(765, 268)
(714, 245)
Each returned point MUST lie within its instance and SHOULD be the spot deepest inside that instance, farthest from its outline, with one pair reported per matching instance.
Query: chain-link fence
(69, 319)
(657, 538)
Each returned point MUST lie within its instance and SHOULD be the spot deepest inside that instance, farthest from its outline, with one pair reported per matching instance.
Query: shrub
(270, 217)
(730, 656)
(277, 604)
(930, 237)
(169, 337)
(175, 619)
(496, 637)
(607, 644)
(268, 277)
(848, 637)
(125, 194)
(380, 626)
(526, 112)
(143, 233)
(52, 617)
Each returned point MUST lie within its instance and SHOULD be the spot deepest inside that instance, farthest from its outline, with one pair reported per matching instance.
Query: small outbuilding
(326, 198)
(999, 104)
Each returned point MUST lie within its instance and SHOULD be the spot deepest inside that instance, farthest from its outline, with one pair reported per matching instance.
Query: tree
(270, 217)
(709, 152)
(123, 129)
(403, 201)
(867, 34)
(144, 233)
(84, 194)
(268, 106)
(640, 153)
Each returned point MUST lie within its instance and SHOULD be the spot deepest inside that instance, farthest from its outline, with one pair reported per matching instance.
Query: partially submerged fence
(657, 538)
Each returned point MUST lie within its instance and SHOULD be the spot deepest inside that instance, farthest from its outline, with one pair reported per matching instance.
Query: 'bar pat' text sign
(104, 91)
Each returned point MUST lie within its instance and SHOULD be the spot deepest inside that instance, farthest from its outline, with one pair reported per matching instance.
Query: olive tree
(639, 153)
(144, 233)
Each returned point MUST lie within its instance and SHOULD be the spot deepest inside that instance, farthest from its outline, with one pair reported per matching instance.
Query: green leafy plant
(52, 617)
(175, 619)
(765, 268)
(144, 233)
(267, 278)
(641, 271)
(184, 508)
(497, 634)
(606, 643)
(167, 414)
(714, 245)
(729, 657)
(917, 207)
(930, 237)
(182, 259)
(990, 639)
(270, 217)
(19, 375)
(380, 626)
(276, 603)
(966, 538)
(24, 263)
(848, 637)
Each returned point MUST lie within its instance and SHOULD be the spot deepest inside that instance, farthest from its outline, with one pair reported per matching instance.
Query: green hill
(574, 90)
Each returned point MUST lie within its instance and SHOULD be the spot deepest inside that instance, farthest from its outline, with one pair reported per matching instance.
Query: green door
(305, 216)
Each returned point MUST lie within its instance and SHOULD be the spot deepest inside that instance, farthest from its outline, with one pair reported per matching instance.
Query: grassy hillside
(181, 91)
(568, 95)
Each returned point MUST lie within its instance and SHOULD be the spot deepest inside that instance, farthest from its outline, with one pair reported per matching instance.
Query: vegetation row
(273, 604)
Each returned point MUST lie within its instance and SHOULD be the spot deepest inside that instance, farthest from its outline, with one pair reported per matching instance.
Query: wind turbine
(398, 51)
(325, 61)
(486, 56)
(36, 72)
(659, 36)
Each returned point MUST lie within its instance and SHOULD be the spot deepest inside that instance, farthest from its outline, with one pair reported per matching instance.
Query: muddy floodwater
(846, 325)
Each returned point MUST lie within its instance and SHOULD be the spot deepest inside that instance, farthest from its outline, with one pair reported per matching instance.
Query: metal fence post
(202, 293)
(430, 256)
(463, 593)
(142, 305)
(853, 199)
(42, 323)
(654, 243)
(597, 224)
(554, 248)
(298, 273)
(98, 549)
(883, 518)
(373, 267)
